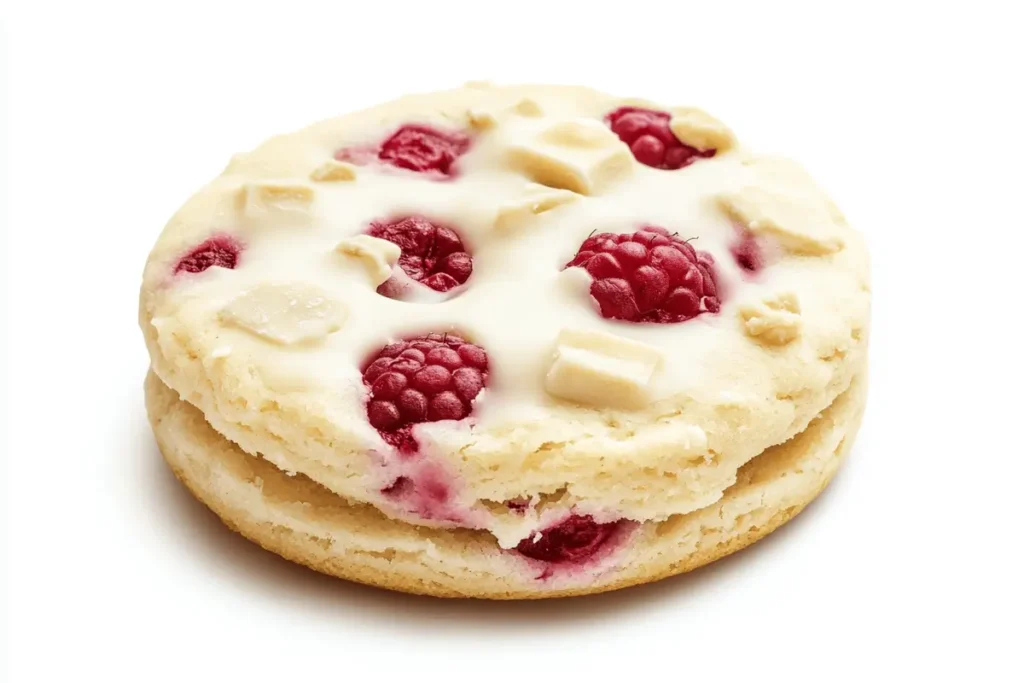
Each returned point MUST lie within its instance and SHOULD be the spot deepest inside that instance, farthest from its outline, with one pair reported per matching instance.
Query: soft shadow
(242, 563)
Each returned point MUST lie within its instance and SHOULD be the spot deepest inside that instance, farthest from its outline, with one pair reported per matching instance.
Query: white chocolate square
(800, 225)
(581, 133)
(580, 156)
(698, 129)
(378, 256)
(286, 314)
(583, 171)
(601, 369)
(279, 201)
(333, 171)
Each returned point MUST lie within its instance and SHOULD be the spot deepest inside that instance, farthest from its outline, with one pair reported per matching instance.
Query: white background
(909, 564)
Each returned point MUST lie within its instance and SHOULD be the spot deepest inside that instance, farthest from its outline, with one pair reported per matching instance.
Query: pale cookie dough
(304, 522)
(266, 298)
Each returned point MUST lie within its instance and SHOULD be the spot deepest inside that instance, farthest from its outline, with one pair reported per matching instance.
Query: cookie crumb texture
(507, 342)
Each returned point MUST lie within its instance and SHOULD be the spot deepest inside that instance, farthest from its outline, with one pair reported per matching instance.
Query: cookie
(302, 521)
(541, 316)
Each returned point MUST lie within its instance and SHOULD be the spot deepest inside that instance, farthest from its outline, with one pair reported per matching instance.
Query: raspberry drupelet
(652, 142)
(220, 251)
(432, 254)
(422, 379)
(648, 276)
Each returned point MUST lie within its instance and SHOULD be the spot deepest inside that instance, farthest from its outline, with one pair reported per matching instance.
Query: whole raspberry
(421, 148)
(652, 142)
(648, 276)
(573, 540)
(432, 254)
(422, 379)
(220, 251)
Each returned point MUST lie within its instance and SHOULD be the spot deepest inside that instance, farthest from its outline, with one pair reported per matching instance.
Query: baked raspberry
(519, 505)
(648, 276)
(429, 498)
(422, 379)
(432, 254)
(652, 142)
(427, 493)
(573, 540)
(747, 252)
(414, 147)
(220, 251)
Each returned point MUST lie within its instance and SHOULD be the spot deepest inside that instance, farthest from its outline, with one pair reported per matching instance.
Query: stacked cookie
(507, 342)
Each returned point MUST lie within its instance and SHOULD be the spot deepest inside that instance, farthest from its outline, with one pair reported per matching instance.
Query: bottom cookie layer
(298, 519)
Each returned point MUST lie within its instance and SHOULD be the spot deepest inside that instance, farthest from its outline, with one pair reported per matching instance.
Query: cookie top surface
(540, 290)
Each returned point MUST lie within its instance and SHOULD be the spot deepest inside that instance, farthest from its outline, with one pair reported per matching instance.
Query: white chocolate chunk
(279, 201)
(581, 133)
(286, 313)
(800, 224)
(582, 170)
(774, 320)
(517, 213)
(333, 171)
(482, 118)
(698, 129)
(602, 369)
(377, 256)
(581, 156)
(786, 174)
(528, 107)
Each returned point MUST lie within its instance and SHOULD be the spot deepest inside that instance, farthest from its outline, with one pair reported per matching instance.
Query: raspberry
(647, 133)
(423, 149)
(427, 494)
(572, 540)
(220, 251)
(422, 379)
(431, 254)
(747, 253)
(648, 276)
(519, 505)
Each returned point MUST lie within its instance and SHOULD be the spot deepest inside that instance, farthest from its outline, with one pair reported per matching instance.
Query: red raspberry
(747, 252)
(427, 494)
(649, 276)
(519, 505)
(647, 133)
(572, 540)
(431, 254)
(220, 251)
(422, 379)
(417, 148)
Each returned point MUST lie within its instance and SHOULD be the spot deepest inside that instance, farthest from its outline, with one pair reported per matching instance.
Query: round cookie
(542, 316)
(304, 522)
